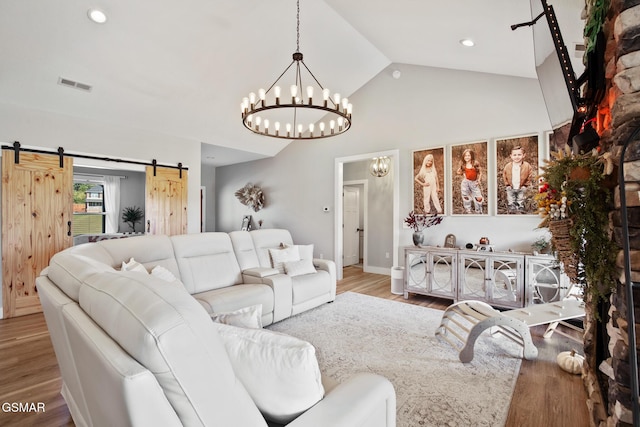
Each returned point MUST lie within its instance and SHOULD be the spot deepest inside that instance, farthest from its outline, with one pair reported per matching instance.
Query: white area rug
(360, 333)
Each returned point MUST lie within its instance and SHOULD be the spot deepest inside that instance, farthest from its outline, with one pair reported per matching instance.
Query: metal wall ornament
(252, 196)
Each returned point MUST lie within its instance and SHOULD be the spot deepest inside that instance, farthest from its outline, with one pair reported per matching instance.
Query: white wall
(426, 107)
(46, 130)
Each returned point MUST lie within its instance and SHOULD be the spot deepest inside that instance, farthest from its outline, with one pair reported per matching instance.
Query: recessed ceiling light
(97, 16)
(467, 42)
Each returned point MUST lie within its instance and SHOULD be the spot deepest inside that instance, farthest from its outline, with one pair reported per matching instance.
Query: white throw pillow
(162, 273)
(248, 317)
(280, 256)
(133, 265)
(305, 251)
(280, 372)
(298, 268)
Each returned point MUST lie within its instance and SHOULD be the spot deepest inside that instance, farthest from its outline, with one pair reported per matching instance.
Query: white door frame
(365, 222)
(339, 182)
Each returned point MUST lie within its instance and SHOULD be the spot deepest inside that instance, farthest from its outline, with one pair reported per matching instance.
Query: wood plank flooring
(544, 395)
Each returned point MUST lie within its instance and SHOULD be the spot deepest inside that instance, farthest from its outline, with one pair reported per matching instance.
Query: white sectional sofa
(136, 349)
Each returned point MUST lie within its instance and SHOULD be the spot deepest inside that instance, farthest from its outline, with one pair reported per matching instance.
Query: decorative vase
(418, 238)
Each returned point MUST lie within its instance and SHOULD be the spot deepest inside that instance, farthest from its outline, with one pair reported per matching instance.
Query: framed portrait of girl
(469, 178)
(428, 181)
(517, 175)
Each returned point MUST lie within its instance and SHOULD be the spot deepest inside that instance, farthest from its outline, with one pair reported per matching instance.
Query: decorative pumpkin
(570, 361)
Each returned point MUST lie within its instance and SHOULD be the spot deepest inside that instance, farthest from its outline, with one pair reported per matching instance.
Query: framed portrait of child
(517, 161)
(428, 181)
(469, 178)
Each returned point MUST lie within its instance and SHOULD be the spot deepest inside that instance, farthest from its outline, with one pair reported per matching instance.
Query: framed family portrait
(428, 181)
(469, 179)
(246, 223)
(517, 175)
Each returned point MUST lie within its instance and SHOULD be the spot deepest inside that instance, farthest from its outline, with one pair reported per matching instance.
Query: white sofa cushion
(148, 250)
(248, 317)
(280, 256)
(298, 268)
(162, 273)
(305, 251)
(206, 261)
(167, 331)
(265, 239)
(280, 372)
(133, 265)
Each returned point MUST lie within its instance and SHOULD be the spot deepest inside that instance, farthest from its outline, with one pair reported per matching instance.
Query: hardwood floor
(544, 395)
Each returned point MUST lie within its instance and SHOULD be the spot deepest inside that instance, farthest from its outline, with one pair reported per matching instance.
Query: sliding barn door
(166, 201)
(37, 205)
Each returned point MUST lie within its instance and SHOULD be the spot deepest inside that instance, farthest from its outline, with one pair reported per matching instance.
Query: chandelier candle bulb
(311, 128)
(301, 99)
(349, 108)
(310, 94)
(276, 125)
(276, 91)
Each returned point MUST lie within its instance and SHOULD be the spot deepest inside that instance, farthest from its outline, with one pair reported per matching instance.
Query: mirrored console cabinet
(501, 279)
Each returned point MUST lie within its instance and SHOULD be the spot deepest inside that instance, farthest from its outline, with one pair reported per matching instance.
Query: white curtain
(111, 203)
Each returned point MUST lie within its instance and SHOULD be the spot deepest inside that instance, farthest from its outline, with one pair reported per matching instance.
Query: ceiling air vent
(70, 83)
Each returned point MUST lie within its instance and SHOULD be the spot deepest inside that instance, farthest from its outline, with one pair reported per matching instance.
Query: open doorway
(380, 239)
(354, 216)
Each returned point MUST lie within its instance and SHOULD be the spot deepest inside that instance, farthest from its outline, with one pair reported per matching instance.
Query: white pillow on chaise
(280, 372)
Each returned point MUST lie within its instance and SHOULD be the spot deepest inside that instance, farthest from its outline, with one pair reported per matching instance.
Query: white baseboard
(377, 270)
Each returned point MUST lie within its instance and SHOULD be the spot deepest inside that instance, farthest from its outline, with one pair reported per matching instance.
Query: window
(88, 207)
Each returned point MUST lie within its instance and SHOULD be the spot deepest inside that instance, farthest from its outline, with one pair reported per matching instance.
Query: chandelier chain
(298, 28)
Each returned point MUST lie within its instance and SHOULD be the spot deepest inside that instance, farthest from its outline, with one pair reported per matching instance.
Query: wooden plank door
(37, 208)
(166, 201)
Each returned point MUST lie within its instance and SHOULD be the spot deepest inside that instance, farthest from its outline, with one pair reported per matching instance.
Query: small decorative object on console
(419, 223)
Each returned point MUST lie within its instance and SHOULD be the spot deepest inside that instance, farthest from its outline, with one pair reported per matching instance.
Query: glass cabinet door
(442, 274)
(472, 276)
(544, 280)
(506, 281)
(416, 271)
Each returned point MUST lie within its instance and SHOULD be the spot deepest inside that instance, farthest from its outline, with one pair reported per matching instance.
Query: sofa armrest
(330, 267)
(282, 288)
(364, 400)
(260, 272)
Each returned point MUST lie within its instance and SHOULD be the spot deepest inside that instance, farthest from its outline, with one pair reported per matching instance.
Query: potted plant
(132, 215)
(419, 222)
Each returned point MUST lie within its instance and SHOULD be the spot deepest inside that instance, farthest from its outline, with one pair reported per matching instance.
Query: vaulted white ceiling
(182, 67)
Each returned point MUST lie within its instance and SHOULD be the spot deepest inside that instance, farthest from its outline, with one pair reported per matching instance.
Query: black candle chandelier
(297, 117)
